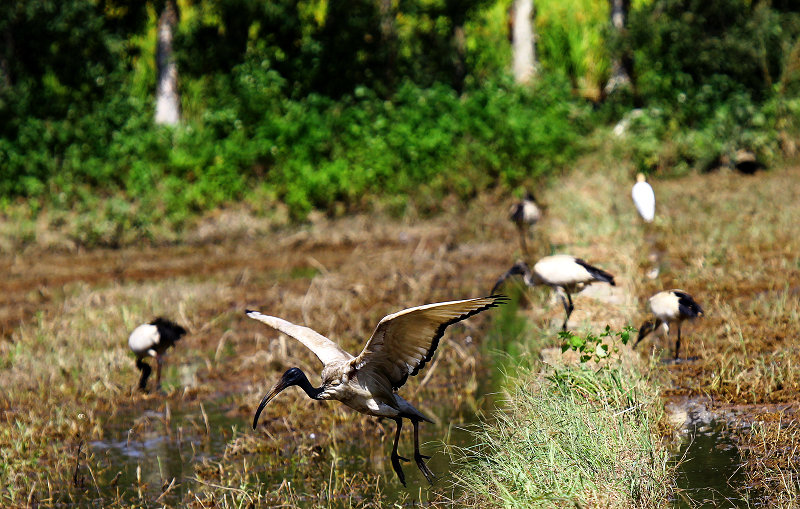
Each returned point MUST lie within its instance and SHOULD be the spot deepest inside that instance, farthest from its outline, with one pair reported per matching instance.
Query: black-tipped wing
(518, 269)
(687, 305)
(405, 341)
(168, 331)
(598, 274)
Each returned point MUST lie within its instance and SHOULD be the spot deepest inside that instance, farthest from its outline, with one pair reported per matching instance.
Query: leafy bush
(707, 71)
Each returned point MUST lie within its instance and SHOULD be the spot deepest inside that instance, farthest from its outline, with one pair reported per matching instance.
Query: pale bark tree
(523, 41)
(620, 75)
(458, 41)
(389, 36)
(167, 97)
(6, 58)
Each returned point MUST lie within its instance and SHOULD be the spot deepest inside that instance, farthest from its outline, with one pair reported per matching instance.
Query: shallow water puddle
(711, 473)
(150, 455)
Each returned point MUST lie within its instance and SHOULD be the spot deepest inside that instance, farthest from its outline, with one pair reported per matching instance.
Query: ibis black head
(518, 269)
(529, 196)
(292, 376)
(646, 328)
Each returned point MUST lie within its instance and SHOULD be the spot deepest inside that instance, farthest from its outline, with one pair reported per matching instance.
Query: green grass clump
(573, 437)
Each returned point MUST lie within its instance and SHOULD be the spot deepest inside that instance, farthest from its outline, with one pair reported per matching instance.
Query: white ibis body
(152, 340)
(564, 273)
(400, 347)
(644, 198)
(525, 214)
(670, 306)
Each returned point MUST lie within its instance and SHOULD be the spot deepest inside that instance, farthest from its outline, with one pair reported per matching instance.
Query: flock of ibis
(405, 341)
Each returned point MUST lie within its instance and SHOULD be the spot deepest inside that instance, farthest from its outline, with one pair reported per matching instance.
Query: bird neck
(313, 392)
(533, 279)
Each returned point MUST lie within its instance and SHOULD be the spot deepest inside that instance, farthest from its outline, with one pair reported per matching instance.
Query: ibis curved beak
(281, 385)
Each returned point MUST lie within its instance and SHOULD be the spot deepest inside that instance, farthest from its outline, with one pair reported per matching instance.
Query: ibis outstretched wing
(324, 348)
(405, 341)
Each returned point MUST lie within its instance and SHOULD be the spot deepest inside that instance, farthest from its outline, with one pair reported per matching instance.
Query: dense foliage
(329, 104)
(715, 77)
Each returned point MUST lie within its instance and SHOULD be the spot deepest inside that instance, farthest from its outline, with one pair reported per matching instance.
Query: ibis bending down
(400, 347)
(152, 339)
(565, 273)
(644, 198)
(525, 214)
(669, 306)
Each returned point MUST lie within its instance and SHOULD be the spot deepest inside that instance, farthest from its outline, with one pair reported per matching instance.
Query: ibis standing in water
(565, 273)
(670, 306)
(644, 198)
(152, 339)
(525, 214)
(400, 347)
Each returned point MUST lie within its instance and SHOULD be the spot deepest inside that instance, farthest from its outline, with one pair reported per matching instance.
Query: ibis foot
(424, 468)
(398, 469)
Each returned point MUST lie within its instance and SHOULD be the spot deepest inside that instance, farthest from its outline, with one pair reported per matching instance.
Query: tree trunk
(621, 66)
(389, 40)
(523, 41)
(459, 42)
(6, 58)
(167, 98)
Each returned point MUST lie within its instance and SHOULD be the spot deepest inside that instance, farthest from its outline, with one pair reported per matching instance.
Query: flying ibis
(565, 273)
(400, 346)
(525, 214)
(669, 306)
(644, 198)
(152, 339)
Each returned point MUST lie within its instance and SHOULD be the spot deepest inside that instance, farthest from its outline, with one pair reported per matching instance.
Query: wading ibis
(525, 214)
(644, 198)
(152, 339)
(669, 306)
(565, 273)
(400, 347)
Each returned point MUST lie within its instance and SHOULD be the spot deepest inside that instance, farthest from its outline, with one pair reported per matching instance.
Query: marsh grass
(569, 437)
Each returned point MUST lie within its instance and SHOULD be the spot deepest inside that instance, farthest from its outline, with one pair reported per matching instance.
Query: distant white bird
(670, 306)
(644, 198)
(565, 273)
(400, 347)
(152, 339)
(525, 214)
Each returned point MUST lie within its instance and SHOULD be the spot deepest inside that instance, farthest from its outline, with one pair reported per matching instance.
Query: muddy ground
(728, 239)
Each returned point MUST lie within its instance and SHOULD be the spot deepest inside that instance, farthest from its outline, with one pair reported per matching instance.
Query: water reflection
(149, 455)
(711, 473)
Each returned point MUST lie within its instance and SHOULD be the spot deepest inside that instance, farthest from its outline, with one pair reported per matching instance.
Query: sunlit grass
(569, 437)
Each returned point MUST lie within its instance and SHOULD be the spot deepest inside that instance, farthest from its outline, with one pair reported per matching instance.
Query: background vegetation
(316, 104)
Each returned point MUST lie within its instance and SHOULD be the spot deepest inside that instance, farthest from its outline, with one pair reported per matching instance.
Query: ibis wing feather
(404, 342)
(687, 305)
(327, 350)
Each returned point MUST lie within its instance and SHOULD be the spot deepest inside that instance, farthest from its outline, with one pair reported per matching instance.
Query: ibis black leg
(419, 458)
(568, 307)
(523, 242)
(145, 369)
(678, 342)
(159, 361)
(396, 457)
